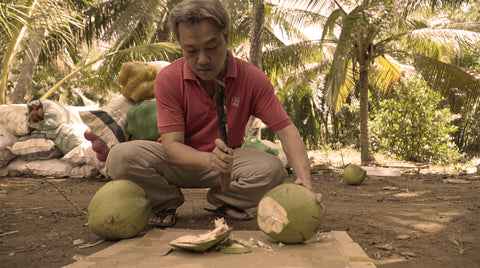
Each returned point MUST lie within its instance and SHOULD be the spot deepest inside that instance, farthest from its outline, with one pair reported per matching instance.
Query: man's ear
(226, 37)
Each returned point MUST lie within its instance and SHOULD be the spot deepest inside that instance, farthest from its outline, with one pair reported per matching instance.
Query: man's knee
(275, 170)
(279, 172)
(118, 159)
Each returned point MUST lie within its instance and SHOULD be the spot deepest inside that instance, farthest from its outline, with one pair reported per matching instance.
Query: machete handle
(225, 181)
(220, 96)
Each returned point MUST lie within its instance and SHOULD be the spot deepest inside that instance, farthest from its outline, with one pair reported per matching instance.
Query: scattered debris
(381, 171)
(89, 245)
(257, 243)
(408, 254)
(457, 181)
(79, 210)
(387, 247)
(390, 188)
(403, 237)
(77, 242)
(36, 208)
(8, 233)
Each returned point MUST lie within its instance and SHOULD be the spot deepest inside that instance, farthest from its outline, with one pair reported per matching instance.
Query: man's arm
(176, 152)
(294, 148)
(296, 153)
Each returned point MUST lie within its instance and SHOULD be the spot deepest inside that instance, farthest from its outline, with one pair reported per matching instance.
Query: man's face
(204, 48)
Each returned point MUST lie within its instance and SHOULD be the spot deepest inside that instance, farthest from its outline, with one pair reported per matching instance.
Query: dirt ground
(422, 218)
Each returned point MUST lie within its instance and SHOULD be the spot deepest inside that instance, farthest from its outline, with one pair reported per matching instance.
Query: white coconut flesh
(289, 213)
(272, 217)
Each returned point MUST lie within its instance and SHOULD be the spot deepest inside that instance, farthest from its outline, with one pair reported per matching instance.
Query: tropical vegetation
(331, 86)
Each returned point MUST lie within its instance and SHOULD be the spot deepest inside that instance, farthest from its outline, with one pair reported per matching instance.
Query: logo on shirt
(235, 101)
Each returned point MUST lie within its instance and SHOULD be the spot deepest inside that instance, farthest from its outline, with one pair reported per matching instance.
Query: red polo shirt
(184, 105)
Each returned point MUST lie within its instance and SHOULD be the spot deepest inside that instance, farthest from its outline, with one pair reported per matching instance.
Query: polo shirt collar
(232, 70)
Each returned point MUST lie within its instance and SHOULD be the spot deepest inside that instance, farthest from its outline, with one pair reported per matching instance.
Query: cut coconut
(289, 213)
(203, 242)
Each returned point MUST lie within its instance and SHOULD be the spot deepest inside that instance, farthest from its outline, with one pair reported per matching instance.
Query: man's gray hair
(194, 11)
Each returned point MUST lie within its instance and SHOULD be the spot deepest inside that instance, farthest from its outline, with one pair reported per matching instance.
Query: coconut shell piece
(232, 246)
(201, 243)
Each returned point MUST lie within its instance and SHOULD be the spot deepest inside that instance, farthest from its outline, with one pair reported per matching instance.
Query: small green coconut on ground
(119, 210)
(354, 174)
(289, 213)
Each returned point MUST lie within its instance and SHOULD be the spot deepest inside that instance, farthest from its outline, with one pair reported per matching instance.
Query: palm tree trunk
(366, 152)
(25, 77)
(256, 32)
(256, 45)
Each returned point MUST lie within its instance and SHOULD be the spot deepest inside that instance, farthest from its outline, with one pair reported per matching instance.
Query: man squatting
(190, 153)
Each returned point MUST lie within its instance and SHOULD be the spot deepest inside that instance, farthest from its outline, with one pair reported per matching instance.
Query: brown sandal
(222, 212)
(157, 219)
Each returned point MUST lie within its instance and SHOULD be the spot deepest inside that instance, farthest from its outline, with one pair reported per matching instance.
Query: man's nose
(203, 58)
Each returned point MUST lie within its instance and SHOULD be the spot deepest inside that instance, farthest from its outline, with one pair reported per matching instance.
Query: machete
(221, 99)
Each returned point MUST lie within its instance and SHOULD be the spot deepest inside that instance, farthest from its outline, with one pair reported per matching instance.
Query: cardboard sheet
(329, 249)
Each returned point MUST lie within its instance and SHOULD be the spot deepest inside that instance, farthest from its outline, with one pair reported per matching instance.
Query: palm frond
(301, 14)
(163, 48)
(162, 51)
(410, 6)
(288, 59)
(60, 22)
(449, 37)
(385, 73)
(330, 23)
(466, 26)
(137, 23)
(11, 18)
(451, 80)
(337, 80)
(314, 6)
(344, 88)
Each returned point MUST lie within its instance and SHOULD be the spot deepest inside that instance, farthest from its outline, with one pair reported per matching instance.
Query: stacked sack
(130, 116)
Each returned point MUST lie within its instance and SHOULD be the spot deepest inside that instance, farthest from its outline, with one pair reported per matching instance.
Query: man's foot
(228, 211)
(165, 218)
(231, 212)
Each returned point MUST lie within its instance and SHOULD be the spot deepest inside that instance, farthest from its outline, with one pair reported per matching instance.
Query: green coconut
(354, 174)
(289, 213)
(119, 210)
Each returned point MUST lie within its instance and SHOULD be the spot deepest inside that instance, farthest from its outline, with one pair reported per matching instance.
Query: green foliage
(298, 103)
(345, 125)
(412, 127)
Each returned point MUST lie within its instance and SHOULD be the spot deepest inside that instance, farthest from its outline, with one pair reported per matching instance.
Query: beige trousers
(254, 173)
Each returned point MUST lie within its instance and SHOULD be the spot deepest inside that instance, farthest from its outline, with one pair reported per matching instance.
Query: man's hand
(221, 159)
(318, 196)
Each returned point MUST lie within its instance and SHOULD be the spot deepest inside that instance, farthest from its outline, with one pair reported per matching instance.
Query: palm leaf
(329, 27)
(16, 32)
(467, 26)
(385, 74)
(338, 83)
(155, 48)
(288, 59)
(451, 80)
(448, 37)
